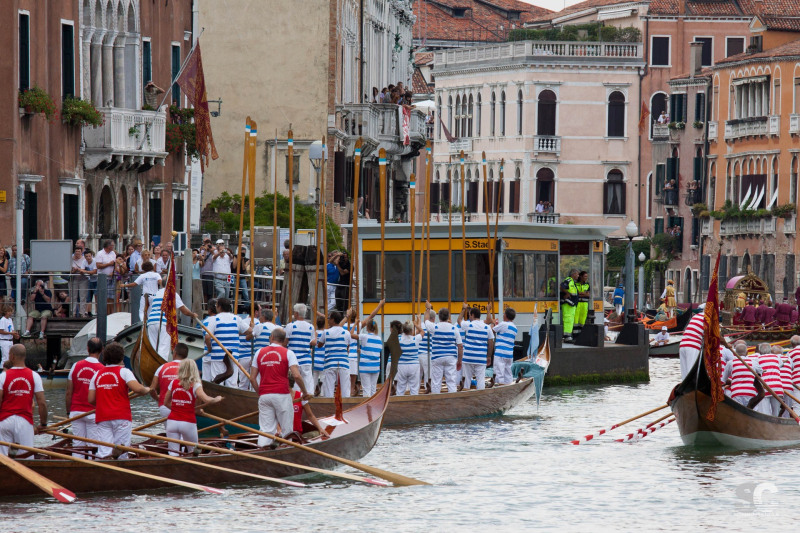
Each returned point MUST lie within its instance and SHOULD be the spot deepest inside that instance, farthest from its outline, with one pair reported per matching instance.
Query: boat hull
(144, 367)
(352, 440)
(668, 350)
(734, 425)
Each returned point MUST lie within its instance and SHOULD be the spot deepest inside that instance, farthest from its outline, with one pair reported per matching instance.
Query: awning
(615, 14)
(754, 79)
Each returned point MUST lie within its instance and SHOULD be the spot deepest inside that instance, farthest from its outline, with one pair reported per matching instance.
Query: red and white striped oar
(642, 433)
(587, 438)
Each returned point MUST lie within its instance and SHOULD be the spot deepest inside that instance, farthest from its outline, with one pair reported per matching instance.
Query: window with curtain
(614, 194)
(616, 114)
(546, 111)
(700, 107)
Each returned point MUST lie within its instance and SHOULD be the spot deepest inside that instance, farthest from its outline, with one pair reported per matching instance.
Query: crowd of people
(393, 94)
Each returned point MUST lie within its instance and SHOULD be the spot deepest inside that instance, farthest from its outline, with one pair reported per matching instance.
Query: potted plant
(36, 100)
(77, 112)
(698, 124)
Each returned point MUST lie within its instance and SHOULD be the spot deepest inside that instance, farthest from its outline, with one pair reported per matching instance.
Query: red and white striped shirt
(693, 334)
(786, 373)
(741, 378)
(794, 358)
(771, 367)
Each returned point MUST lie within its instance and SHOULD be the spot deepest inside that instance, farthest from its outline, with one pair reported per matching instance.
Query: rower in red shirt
(749, 314)
(77, 396)
(300, 406)
(108, 391)
(271, 373)
(19, 386)
(181, 400)
(166, 374)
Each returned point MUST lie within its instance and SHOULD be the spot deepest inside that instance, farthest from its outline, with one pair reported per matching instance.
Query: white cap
(220, 241)
(663, 328)
(701, 306)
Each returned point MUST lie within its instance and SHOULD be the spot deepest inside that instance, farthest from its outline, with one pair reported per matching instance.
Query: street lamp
(317, 153)
(642, 257)
(632, 231)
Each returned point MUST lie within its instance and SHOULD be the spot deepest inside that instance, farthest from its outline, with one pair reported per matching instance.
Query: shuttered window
(661, 172)
(700, 107)
(67, 61)
(706, 55)
(659, 52)
(24, 51)
(677, 104)
(546, 111)
(147, 63)
(178, 215)
(472, 197)
(616, 114)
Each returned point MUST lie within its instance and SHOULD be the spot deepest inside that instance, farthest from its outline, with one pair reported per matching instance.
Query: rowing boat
(403, 410)
(734, 425)
(134, 339)
(351, 439)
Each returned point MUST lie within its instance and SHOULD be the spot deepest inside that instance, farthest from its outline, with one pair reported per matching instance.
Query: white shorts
(212, 369)
(115, 432)
(17, 430)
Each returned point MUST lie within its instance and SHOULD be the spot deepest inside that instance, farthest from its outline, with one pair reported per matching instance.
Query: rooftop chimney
(695, 58)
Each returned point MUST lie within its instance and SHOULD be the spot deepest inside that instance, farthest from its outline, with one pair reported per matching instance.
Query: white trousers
(443, 367)
(502, 370)
(274, 409)
(369, 384)
(164, 411)
(162, 340)
(743, 400)
(115, 432)
(83, 427)
(316, 375)
(424, 362)
(474, 369)
(308, 377)
(212, 369)
(5, 347)
(177, 429)
(688, 356)
(407, 379)
(331, 297)
(244, 380)
(775, 404)
(329, 382)
(17, 430)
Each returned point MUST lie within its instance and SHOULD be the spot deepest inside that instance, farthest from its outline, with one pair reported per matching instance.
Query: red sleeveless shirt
(18, 394)
(111, 395)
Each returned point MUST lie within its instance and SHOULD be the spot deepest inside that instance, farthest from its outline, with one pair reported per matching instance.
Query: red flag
(711, 355)
(193, 84)
(447, 134)
(643, 118)
(170, 311)
(337, 399)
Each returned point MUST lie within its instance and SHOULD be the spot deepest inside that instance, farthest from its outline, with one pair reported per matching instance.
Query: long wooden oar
(177, 459)
(343, 475)
(66, 421)
(102, 464)
(220, 424)
(232, 358)
(587, 438)
(397, 479)
(642, 433)
(767, 387)
(48, 486)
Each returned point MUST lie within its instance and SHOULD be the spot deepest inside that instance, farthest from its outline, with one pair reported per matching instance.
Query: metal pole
(641, 287)
(20, 253)
(629, 286)
(102, 306)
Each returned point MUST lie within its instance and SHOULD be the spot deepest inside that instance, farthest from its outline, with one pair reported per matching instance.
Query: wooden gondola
(667, 350)
(350, 440)
(135, 341)
(734, 425)
(420, 409)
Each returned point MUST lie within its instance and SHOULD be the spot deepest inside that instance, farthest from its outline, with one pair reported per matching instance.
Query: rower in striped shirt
(336, 341)
(446, 351)
(369, 364)
(300, 335)
(226, 327)
(692, 341)
(506, 335)
(478, 346)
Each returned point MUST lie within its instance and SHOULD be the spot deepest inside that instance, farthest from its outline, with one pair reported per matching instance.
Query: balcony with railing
(547, 144)
(693, 194)
(540, 52)
(707, 226)
(543, 218)
(746, 127)
(670, 197)
(380, 126)
(749, 227)
(790, 224)
(128, 138)
(712, 130)
(774, 125)
(794, 123)
(660, 132)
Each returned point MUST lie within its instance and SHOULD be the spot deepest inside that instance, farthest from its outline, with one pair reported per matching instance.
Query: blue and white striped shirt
(299, 334)
(226, 327)
(244, 344)
(410, 344)
(319, 355)
(155, 308)
(506, 335)
(476, 341)
(371, 348)
(444, 339)
(261, 334)
(336, 340)
(352, 350)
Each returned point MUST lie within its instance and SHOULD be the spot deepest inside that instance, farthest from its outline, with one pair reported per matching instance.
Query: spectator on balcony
(540, 207)
(376, 96)
(663, 118)
(12, 271)
(383, 95)
(106, 262)
(151, 94)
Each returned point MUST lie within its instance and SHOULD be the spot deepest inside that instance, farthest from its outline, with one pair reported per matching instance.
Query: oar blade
(63, 495)
(212, 490)
(379, 482)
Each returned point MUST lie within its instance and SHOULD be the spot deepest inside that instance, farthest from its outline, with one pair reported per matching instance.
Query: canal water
(513, 473)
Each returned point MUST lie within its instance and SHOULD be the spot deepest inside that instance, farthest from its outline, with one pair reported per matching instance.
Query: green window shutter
(659, 226)
(176, 68)
(660, 178)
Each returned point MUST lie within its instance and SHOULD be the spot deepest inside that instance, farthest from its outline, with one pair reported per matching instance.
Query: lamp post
(641, 281)
(632, 231)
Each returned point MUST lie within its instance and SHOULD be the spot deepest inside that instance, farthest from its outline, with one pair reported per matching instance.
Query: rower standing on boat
(19, 387)
(424, 350)
(743, 389)
(771, 362)
(108, 391)
(793, 358)
(262, 330)
(668, 296)
(226, 327)
(300, 333)
(318, 366)
(408, 365)
(478, 347)
(336, 341)
(447, 351)
(77, 395)
(181, 399)
(166, 374)
(272, 368)
(157, 323)
(692, 341)
(506, 335)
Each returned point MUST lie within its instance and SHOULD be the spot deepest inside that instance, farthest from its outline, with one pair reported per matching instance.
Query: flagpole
(252, 206)
(290, 163)
(169, 274)
(246, 160)
(183, 67)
